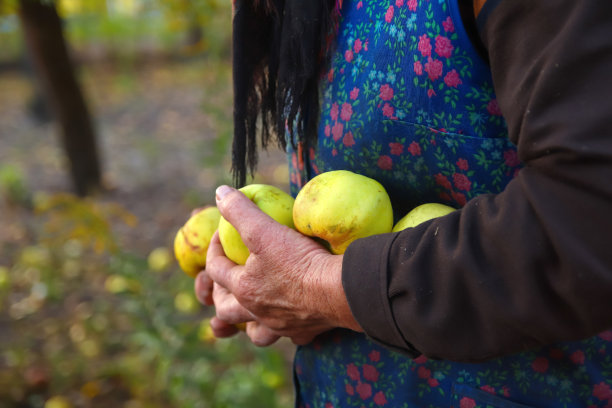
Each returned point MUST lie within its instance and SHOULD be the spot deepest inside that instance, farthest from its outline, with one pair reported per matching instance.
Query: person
(500, 108)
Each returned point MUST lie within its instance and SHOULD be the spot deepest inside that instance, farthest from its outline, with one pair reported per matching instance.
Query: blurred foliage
(129, 27)
(88, 318)
(67, 217)
(13, 185)
(95, 328)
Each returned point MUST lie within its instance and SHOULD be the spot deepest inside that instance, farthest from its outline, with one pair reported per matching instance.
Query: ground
(101, 325)
(164, 135)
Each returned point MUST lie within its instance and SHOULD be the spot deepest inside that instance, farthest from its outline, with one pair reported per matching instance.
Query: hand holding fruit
(289, 284)
(279, 280)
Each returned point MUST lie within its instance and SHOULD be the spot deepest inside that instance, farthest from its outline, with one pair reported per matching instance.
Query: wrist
(336, 308)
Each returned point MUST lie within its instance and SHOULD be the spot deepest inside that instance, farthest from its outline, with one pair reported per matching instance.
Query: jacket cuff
(365, 283)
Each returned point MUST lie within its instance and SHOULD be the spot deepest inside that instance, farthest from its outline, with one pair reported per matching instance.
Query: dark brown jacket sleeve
(532, 265)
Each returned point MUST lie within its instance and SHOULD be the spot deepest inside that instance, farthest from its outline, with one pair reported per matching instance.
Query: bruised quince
(340, 206)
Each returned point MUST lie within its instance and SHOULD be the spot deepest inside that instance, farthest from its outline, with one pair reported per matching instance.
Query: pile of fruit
(335, 208)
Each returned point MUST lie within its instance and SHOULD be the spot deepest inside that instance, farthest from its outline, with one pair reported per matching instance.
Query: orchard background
(94, 311)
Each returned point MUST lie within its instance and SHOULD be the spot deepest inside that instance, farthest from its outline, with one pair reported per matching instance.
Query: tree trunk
(44, 38)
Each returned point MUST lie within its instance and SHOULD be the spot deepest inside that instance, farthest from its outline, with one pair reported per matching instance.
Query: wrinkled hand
(290, 286)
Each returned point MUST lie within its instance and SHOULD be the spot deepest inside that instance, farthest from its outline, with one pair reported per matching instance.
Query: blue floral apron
(409, 102)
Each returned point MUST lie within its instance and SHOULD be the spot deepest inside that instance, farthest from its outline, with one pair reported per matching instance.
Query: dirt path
(164, 132)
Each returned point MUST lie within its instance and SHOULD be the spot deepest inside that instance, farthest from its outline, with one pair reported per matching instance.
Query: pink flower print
(385, 162)
(370, 373)
(380, 399)
(607, 335)
(488, 388)
(329, 405)
(334, 152)
(294, 180)
(388, 110)
(448, 25)
(441, 180)
(414, 149)
(511, 158)
(432, 382)
(348, 55)
(423, 372)
(493, 108)
(505, 391)
(327, 130)
(577, 357)
(365, 45)
(386, 92)
(424, 45)
(389, 14)
(459, 198)
(444, 196)
(396, 148)
(452, 79)
(300, 156)
(346, 112)
(349, 389)
(357, 46)
(337, 131)
(330, 75)
(444, 48)
(353, 372)
(348, 140)
(461, 182)
(467, 402)
(602, 391)
(433, 68)
(333, 113)
(294, 162)
(359, 5)
(354, 93)
(374, 355)
(399, 3)
(422, 359)
(311, 153)
(364, 390)
(418, 68)
(412, 5)
(431, 92)
(540, 365)
(462, 164)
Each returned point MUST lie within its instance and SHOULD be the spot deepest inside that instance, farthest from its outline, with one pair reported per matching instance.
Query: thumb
(252, 224)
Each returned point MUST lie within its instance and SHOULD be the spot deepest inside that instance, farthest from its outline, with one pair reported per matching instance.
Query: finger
(218, 267)
(222, 329)
(254, 226)
(227, 307)
(203, 287)
(260, 335)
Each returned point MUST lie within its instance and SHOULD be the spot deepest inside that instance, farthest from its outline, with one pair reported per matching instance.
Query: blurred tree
(44, 38)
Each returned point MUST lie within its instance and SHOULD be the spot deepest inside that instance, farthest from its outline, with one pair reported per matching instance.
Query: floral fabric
(409, 102)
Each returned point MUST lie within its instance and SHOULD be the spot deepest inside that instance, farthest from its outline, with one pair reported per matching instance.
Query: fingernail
(222, 191)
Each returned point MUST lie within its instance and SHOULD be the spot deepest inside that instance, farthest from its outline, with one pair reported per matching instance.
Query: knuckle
(244, 288)
(222, 314)
(231, 201)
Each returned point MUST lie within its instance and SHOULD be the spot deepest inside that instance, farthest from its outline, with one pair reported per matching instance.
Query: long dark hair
(280, 50)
